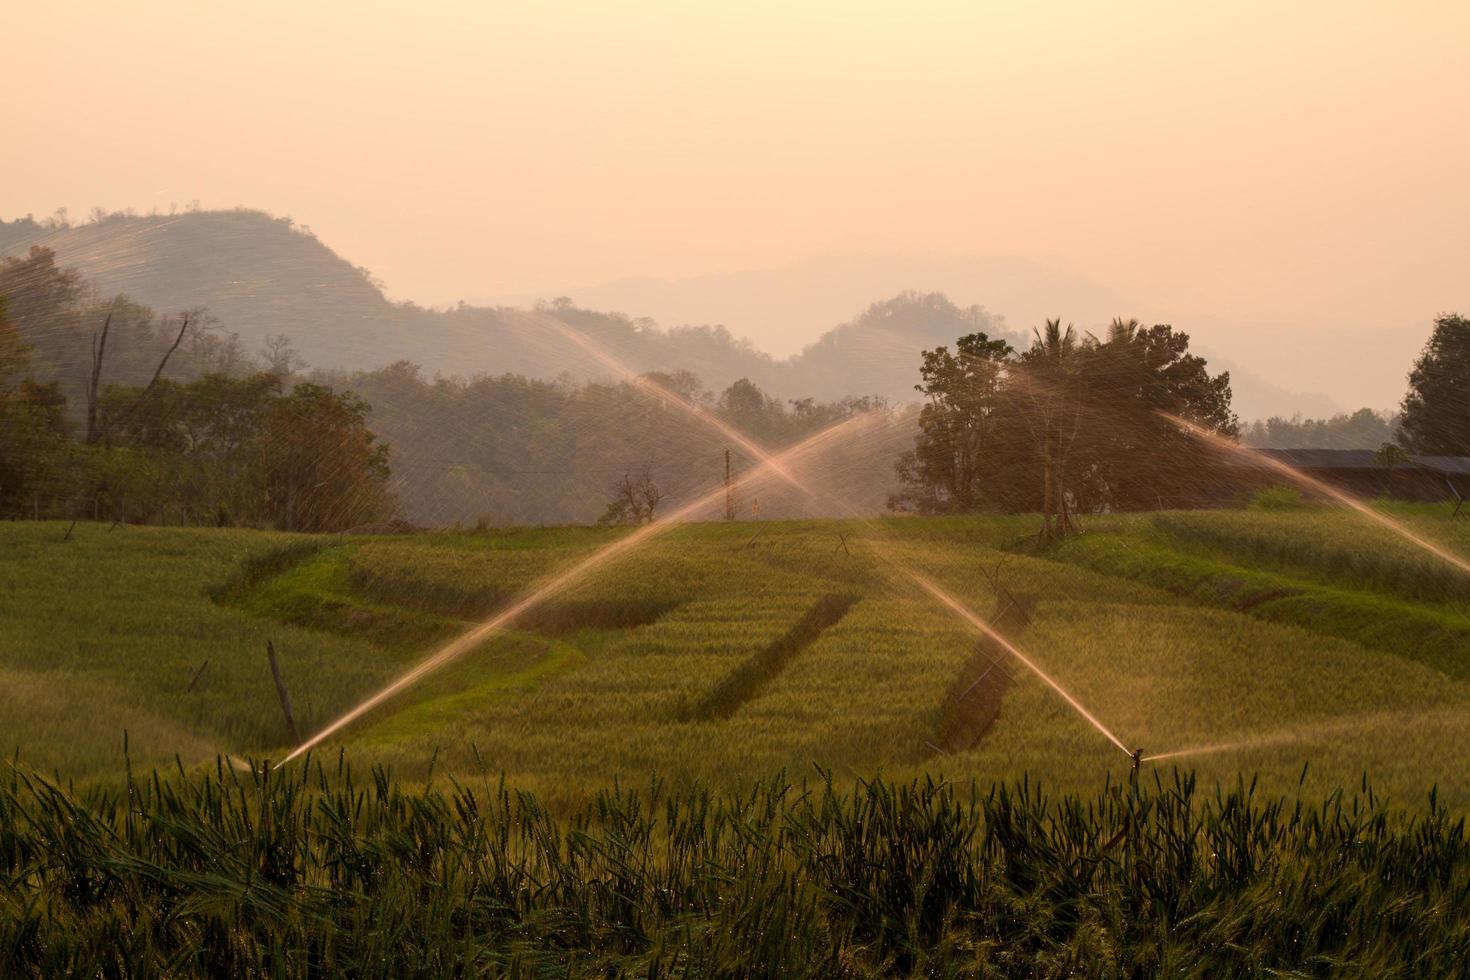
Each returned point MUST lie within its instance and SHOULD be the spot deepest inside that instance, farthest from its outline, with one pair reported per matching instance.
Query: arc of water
(1353, 724)
(946, 599)
(969, 616)
(563, 580)
(1318, 486)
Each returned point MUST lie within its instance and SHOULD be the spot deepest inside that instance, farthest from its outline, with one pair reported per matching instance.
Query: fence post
(283, 694)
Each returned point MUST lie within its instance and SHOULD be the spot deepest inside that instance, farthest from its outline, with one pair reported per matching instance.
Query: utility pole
(729, 490)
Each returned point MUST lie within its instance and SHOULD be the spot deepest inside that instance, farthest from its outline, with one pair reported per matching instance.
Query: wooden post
(285, 696)
(198, 672)
(729, 491)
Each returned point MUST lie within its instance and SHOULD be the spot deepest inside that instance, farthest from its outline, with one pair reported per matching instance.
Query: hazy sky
(1272, 161)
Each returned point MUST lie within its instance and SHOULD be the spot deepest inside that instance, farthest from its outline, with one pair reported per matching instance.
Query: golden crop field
(720, 654)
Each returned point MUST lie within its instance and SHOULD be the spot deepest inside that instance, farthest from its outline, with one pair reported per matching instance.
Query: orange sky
(1289, 162)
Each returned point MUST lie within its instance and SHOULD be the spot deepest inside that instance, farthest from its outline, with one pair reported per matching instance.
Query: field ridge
(1437, 638)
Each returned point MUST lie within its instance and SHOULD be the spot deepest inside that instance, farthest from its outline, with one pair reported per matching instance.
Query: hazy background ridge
(263, 276)
(1285, 182)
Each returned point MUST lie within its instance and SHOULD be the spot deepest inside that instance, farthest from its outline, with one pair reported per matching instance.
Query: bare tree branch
(167, 354)
(143, 395)
(99, 350)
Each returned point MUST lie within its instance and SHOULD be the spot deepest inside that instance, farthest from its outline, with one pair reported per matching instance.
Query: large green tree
(33, 431)
(1436, 410)
(1133, 454)
(1071, 424)
(15, 353)
(201, 437)
(323, 469)
(952, 466)
(1049, 387)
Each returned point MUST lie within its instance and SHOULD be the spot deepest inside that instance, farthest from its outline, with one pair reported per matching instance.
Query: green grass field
(720, 654)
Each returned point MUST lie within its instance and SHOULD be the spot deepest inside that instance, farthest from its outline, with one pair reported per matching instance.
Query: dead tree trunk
(99, 351)
(167, 354)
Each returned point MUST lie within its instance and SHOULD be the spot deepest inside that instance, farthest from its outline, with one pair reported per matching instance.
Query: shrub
(1279, 497)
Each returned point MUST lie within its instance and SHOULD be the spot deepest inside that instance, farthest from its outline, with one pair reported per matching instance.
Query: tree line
(1432, 420)
(1086, 424)
(508, 449)
(108, 409)
(90, 426)
(1363, 429)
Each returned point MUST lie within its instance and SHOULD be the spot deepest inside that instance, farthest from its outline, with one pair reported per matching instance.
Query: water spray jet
(648, 385)
(565, 579)
(1318, 486)
(1329, 729)
(884, 551)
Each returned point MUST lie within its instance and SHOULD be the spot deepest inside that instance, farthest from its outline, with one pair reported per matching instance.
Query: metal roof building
(1359, 471)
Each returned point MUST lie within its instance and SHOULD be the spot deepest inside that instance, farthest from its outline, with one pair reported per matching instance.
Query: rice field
(721, 654)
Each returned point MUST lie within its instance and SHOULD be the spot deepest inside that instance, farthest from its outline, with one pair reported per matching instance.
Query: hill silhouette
(263, 276)
(784, 308)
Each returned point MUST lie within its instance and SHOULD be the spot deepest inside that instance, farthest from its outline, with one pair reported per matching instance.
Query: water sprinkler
(1137, 756)
(1314, 485)
(563, 579)
(777, 465)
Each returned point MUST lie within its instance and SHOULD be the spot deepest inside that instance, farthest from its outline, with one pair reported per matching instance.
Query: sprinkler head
(1137, 759)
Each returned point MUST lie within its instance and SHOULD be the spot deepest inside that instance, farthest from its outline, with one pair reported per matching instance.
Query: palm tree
(1122, 331)
(1050, 365)
(1055, 346)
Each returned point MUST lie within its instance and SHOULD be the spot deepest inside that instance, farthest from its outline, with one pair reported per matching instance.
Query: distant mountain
(785, 309)
(259, 275)
(1358, 364)
(1253, 397)
(262, 276)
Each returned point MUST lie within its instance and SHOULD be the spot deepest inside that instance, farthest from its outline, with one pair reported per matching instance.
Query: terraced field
(721, 653)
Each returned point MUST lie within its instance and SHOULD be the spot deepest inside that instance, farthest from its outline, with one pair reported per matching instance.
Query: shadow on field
(754, 675)
(312, 585)
(973, 702)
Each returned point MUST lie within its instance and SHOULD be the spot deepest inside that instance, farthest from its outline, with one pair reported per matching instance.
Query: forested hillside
(486, 415)
(263, 277)
(112, 410)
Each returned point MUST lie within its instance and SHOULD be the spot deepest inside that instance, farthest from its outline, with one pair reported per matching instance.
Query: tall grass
(105, 632)
(1432, 635)
(317, 872)
(1334, 547)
